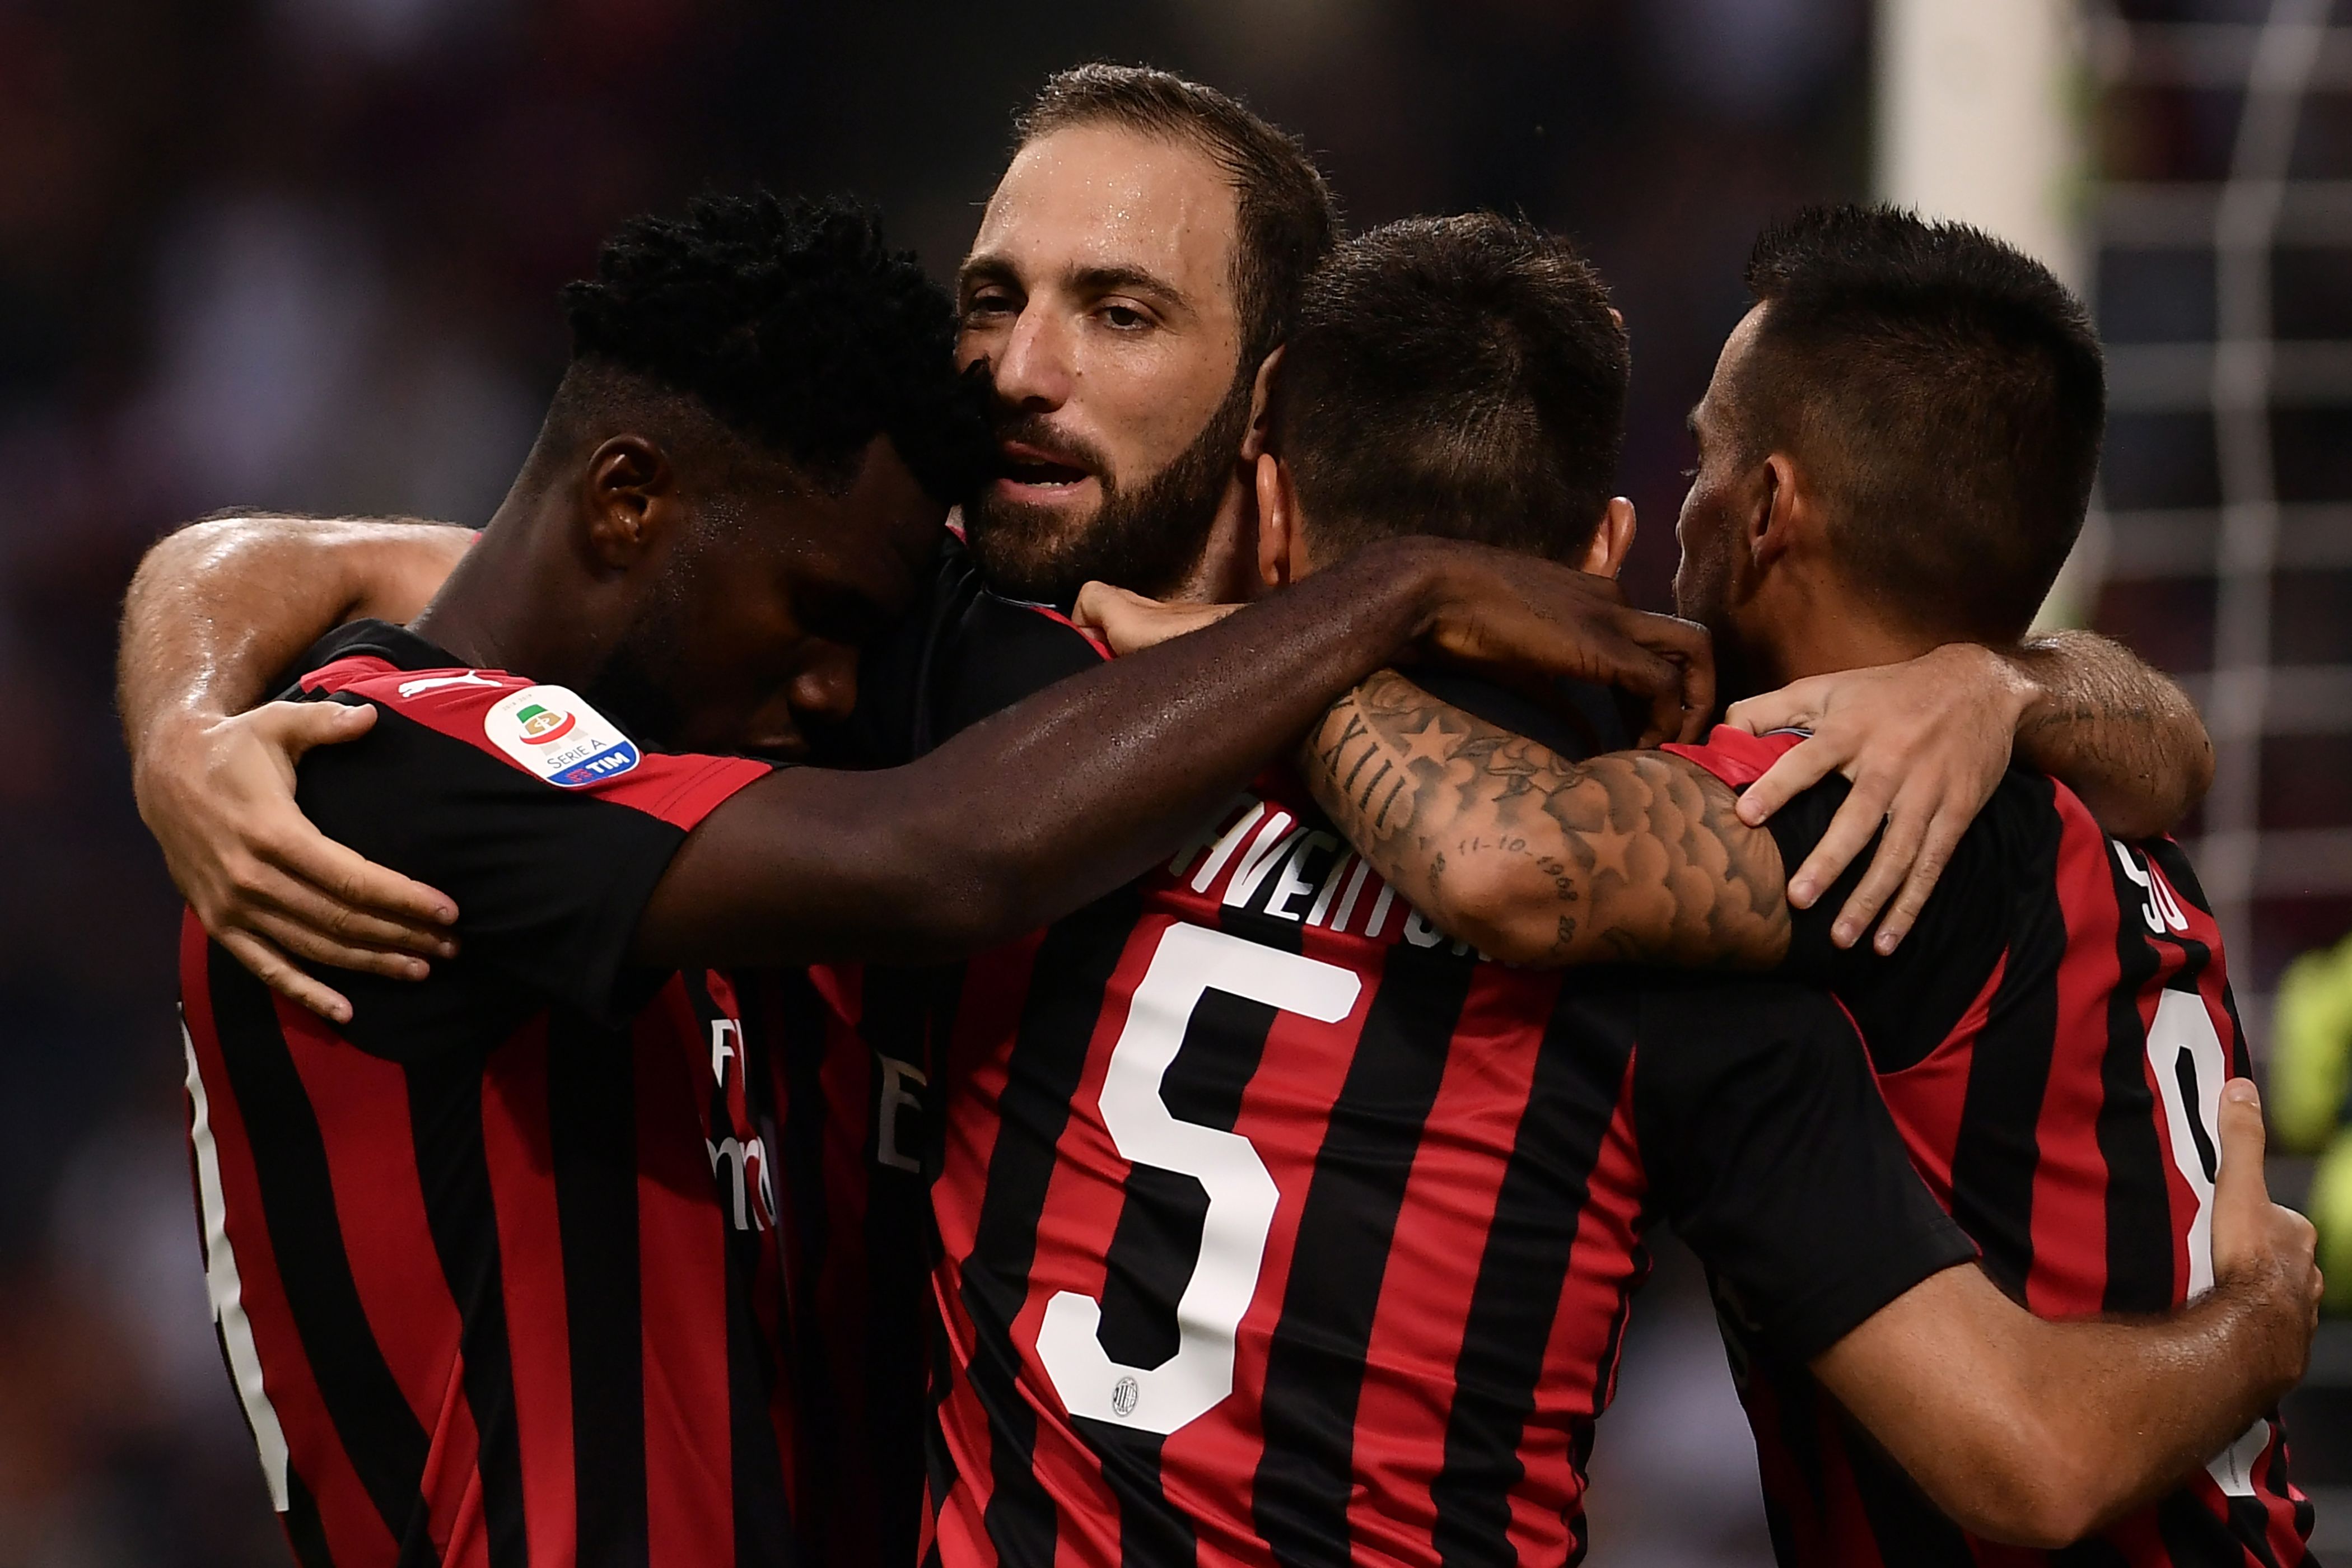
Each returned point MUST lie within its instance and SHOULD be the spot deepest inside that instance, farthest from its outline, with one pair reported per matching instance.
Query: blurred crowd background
(302, 254)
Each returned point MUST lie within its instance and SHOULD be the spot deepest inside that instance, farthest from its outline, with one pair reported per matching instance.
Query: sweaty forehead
(1104, 198)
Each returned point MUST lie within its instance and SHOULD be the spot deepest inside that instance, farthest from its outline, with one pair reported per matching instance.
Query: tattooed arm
(1634, 856)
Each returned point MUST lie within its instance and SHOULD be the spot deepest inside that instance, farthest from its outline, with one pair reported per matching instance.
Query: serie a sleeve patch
(551, 732)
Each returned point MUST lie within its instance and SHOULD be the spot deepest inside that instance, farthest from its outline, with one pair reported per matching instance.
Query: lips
(1028, 465)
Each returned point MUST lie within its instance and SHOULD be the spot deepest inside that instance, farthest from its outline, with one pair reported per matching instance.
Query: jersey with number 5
(1278, 1228)
(2052, 1037)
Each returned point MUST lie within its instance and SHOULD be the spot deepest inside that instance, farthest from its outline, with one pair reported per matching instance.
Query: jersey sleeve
(1767, 1142)
(1906, 1002)
(546, 824)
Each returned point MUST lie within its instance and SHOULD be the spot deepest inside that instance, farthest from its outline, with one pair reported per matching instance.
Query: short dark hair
(1949, 394)
(794, 326)
(1286, 221)
(1458, 376)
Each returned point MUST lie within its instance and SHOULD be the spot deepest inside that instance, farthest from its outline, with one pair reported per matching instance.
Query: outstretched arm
(1634, 856)
(2038, 1433)
(1924, 743)
(215, 612)
(1062, 798)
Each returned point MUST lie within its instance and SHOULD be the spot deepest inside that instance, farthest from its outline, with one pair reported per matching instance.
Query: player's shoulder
(1737, 756)
(511, 723)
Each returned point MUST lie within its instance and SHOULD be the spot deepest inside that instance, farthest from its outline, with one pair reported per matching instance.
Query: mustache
(1034, 430)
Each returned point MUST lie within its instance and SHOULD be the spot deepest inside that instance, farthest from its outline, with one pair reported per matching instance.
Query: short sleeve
(1775, 1158)
(1904, 1002)
(551, 862)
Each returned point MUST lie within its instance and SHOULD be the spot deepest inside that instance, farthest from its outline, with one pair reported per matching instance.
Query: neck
(506, 605)
(1826, 629)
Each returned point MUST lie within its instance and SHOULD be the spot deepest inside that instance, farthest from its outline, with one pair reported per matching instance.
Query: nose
(1032, 369)
(826, 685)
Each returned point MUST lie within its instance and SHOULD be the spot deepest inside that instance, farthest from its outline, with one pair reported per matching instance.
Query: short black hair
(1287, 221)
(1458, 376)
(1949, 395)
(793, 324)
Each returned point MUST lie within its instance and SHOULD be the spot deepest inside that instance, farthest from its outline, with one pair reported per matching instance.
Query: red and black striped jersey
(493, 1265)
(1276, 1227)
(2053, 1038)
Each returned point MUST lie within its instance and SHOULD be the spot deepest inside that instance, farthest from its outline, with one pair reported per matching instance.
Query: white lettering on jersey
(2160, 909)
(435, 682)
(723, 1030)
(894, 1097)
(1188, 963)
(746, 1161)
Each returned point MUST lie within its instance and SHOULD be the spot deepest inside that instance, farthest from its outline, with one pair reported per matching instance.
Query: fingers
(304, 943)
(2244, 1138)
(273, 969)
(365, 892)
(1799, 769)
(1936, 848)
(298, 726)
(268, 890)
(1906, 827)
(1796, 705)
(1857, 822)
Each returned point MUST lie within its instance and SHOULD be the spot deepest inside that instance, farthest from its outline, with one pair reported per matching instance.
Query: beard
(1146, 540)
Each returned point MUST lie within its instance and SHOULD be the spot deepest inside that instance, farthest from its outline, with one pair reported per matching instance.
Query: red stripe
(355, 1531)
(690, 1476)
(362, 1105)
(1603, 1271)
(1927, 1097)
(1433, 1274)
(1092, 635)
(517, 1144)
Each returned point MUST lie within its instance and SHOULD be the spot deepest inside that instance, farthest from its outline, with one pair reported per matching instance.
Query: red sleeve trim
(1738, 758)
(1088, 633)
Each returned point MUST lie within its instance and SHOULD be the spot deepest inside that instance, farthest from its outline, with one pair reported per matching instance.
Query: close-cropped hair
(1457, 376)
(1946, 393)
(1287, 219)
(792, 324)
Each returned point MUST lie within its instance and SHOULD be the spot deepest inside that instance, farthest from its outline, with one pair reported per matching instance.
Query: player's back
(492, 1263)
(1272, 1220)
(2052, 1040)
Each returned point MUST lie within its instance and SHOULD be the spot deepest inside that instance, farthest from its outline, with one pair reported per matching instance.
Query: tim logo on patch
(551, 732)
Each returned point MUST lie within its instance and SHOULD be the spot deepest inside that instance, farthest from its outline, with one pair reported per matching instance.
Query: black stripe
(2140, 1238)
(1579, 1073)
(380, 1435)
(762, 1510)
(1996, 1151)
(763, 1515)
(305, 1532)
(1315, 1363)
(453, 1171)
(793, 1019)
(1074, 966)
(592, 1131)
(908, 1013)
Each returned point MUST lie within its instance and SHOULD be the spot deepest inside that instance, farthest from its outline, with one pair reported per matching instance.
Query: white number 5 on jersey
(1190, 962)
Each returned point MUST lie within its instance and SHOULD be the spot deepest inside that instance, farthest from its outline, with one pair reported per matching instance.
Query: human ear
(1778, 513)
(1261, 393)
(1605, 556)
(630, 502)
(1281, 552)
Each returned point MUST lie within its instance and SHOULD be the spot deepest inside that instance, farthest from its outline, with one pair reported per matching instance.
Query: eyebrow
(995, 268)
(1690, 421)
(1128, 280)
